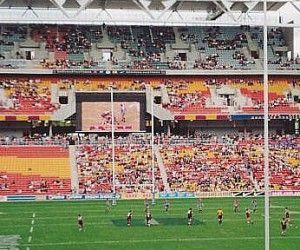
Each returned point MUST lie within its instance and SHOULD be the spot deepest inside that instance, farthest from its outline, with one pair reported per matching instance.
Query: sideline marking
(30, 231)
(157, 240)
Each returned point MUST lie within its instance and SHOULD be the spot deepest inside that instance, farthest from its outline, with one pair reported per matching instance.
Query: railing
(148, 195)
(145, 139)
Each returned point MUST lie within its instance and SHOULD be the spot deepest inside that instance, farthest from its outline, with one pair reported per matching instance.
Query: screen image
(96, 116)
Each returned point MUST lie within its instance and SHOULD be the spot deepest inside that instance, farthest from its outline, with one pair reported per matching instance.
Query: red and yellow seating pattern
(34, 170)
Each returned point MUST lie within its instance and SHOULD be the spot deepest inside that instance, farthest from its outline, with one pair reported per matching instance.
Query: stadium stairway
(162, 168)
(105, 43)
(159, 112)
(165, 99)
(65, 110)
(73, 168)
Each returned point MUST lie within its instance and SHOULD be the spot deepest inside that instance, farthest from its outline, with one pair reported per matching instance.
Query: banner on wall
(108, 72)
(285, 193)
(21, 198)
(136, 195)
(172, 195)
(56, 197)
(100, 196)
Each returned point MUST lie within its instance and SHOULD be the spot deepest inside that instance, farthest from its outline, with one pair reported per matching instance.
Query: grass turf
(55, 225)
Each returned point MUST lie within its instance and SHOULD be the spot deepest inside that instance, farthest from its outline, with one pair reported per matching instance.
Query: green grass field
(52, 225)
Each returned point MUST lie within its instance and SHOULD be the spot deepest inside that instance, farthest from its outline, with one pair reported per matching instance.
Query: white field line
(158, 207)
(30, 231)
(171, 215)
(158, 240)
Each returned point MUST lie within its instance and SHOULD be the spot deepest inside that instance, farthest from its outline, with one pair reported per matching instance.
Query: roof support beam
(103, 8)
(60, 7)
(250, 6)
(176, 7)
(295, 6)
(34, 13)
(168, 7)
(84, 5)
(225, 9)
(144, 8)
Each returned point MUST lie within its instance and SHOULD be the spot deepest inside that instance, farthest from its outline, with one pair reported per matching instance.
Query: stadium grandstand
(121, 114)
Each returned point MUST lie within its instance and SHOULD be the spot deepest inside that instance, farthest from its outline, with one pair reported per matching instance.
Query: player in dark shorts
(80, 222)
(147, 206)
(148, 218)
(167, 205)
(123, 112)
(190, 216)
(236, 205)
(283, 224)
(248, 216)
(287, 215)
(220, 216)
(129, 218)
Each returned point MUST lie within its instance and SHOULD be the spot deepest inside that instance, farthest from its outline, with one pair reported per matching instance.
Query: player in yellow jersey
(220, 215)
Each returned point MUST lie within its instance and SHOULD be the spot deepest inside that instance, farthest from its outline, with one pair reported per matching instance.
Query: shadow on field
(159, 221)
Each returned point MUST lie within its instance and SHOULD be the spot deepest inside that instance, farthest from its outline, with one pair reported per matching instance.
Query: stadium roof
(148, 12)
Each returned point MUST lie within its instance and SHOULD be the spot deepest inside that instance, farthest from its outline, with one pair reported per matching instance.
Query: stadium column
(113, 144)
(266, 131)
(50, 128)
(152, 146)
(297, 126)
(168, 128)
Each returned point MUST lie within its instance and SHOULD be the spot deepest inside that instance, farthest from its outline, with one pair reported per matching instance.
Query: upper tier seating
(145, 47)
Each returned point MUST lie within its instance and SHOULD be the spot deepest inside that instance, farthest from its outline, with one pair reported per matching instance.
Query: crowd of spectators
(37, 139)
(140, 65)
(180, 95)
(132, 164)
(234, 166)
(212, 38)
(12, 184)
(146, 43)
(28, 95)
(68, 64)
(22, 95)
(72, 39)
(204, 162)
(177, 63)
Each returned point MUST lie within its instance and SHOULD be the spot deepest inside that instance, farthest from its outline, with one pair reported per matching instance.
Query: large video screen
(96, 116)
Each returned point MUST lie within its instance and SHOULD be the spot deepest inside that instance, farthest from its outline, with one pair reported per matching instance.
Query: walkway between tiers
(73, 167)
(162, 168)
